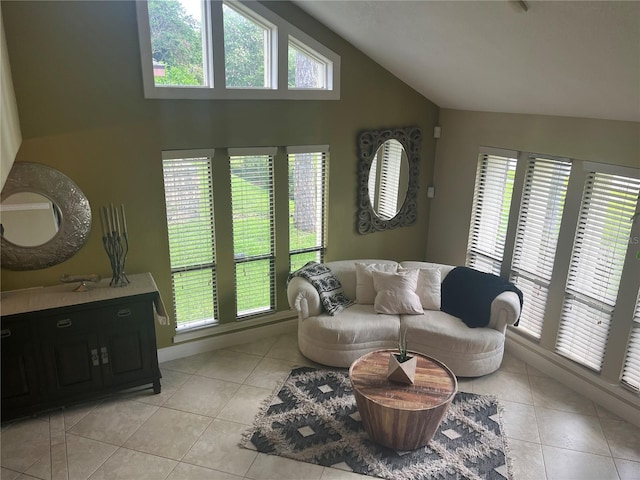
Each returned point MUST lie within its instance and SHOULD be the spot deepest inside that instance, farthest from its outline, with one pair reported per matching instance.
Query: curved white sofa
(339, 340)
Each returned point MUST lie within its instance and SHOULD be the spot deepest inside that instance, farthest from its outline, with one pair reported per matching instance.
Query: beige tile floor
(192, 429)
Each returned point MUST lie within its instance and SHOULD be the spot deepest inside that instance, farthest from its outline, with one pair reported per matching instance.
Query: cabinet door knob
(105, 355)
(125, 312)
(64, 323)
(5, 333)
(94, 357)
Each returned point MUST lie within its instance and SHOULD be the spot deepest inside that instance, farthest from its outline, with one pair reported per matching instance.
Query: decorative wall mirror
(45, 218)
(388, 178)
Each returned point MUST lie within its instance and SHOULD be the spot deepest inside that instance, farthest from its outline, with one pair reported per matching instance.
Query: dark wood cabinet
(21, 384)
(68, 353)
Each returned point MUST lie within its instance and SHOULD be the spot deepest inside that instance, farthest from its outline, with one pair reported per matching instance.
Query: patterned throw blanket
(327, 284)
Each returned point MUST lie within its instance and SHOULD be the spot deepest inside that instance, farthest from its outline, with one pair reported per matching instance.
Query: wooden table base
(401, 416)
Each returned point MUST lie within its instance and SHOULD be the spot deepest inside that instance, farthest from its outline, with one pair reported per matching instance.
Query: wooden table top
(434, 383)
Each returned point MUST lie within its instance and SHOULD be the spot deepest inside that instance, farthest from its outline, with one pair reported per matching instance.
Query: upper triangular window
(307, 68)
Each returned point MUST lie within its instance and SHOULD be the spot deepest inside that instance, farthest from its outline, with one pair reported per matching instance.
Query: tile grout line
(535, 415)
(65, 474)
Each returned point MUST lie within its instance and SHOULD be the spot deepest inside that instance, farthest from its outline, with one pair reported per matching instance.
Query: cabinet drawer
(72, 322)
(15, 331)
(126, 312)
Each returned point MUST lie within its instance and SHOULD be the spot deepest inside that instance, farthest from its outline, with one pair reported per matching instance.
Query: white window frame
(327, 77)
(583, 337)
(532, 264)
(213, 50)
(204, 322)
(270, 51)
(484, 228)
(630, 377)
(269, 152)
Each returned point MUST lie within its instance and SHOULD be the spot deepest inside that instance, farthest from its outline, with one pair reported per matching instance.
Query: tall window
(307, 174)
(631, 371)
(490, 212)
(201, 49)
(539, 221)
(189, 204)
(575, 320)
(599, 249)
(253, 229)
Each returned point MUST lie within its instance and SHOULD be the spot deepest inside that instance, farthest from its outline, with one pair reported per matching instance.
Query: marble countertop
(26, 300)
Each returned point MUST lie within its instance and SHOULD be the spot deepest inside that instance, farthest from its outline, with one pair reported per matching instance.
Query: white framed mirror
(388, 178)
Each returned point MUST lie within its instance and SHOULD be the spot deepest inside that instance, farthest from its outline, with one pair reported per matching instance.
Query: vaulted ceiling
(568, 58)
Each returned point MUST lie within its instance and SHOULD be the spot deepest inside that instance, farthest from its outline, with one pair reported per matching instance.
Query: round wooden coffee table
(397, 415)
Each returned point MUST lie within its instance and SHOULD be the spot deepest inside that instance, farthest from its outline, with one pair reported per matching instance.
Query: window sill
(206, 93)
(221, 328)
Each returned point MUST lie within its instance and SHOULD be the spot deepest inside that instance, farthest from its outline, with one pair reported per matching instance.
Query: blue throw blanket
(327, 284)
(467, 294)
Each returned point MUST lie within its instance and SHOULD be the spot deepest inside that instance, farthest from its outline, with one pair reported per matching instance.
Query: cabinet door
(20, 380)
(127, 344)
(71, 353)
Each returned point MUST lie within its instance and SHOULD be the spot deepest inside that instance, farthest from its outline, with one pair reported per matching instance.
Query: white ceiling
(569, 58)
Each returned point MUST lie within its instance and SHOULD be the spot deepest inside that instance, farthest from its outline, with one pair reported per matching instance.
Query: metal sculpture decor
(370, 220)
(116, 242)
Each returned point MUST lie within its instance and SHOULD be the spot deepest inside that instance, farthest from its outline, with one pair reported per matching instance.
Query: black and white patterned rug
(312, 417)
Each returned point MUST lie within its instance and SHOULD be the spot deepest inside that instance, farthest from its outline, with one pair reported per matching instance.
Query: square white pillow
(365, 291)
(429, 287)
(397, 292)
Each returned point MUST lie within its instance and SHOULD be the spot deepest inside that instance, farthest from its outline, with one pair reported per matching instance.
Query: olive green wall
(463, 132)
(78, 84)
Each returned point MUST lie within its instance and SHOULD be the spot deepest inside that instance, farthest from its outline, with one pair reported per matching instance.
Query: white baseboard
(613, 397)
(226, 339)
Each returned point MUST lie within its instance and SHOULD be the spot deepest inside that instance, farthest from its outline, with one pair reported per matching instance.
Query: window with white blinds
(631, 371)
(253, 230)
(490, 212)
(189, 206)
(543, 199)
(307, 185)
(600, 245)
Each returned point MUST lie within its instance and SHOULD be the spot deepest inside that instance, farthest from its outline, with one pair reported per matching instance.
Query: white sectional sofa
(340, 339)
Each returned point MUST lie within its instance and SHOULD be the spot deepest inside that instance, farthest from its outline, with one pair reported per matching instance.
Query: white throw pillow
(365, 291)
(397, 292)
(429, 287)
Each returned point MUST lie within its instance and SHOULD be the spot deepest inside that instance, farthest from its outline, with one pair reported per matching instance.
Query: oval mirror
(45, 218)
(388, 179)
